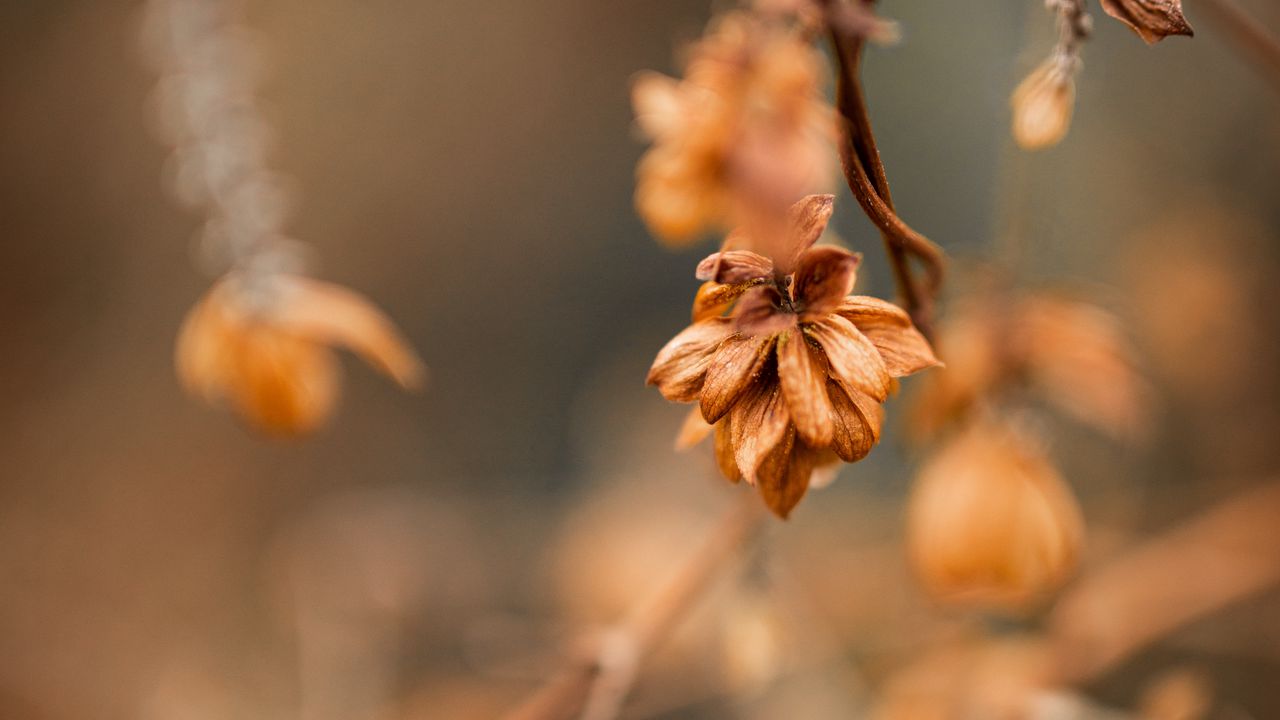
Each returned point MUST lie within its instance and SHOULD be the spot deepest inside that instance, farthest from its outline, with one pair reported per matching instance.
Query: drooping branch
(865, 174)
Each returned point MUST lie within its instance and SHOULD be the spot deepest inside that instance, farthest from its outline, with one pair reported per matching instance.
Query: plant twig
(1255, 42)
(865, 174)
(598, 676)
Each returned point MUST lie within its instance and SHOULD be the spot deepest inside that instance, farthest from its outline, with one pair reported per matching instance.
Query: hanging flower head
(740, 137)
(793, 376)
(263, 347)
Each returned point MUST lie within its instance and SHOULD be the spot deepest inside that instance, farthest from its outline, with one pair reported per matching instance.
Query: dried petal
(737, 362)
(734, 266)
(857, 422)
(807, 219)
(853, 358)
(758, 312)
(1152, 20)
(725, 457)
(759, 420)
(802, 373)
(657, 102)
(824, 277)
(888, 327)
(285, 384)
(333, 315)
(693, 431)
(681, 366)
(784, 474)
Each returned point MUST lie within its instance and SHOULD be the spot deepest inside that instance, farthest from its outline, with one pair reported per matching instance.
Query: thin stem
(865, 174)
(1252, 40)
(598, 677)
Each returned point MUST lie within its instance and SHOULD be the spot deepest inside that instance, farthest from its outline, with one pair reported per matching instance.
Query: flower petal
(759, 420)
(737, 362)
(758, 312)
(858, 419)
(713, 299)
(734, 266)
(824, 277)
(809, 217)
(784, 475)
(803, 376)
(681, 365)
(658, 104)
(725, 458)
(285, 385)
(693, 431)
(333, 315)
(888, 327)
(853, 358)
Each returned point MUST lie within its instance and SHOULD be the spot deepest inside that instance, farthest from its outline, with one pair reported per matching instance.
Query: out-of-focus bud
(990, 522)
(1043, 102)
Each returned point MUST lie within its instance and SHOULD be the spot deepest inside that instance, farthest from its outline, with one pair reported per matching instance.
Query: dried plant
(793, 372)
(260, 339)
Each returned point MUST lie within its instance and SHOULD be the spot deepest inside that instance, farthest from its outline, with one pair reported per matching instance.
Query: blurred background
(469, 166)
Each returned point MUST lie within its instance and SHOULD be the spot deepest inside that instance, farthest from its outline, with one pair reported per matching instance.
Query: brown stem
(863, 170)
(598, 677)
(1252, 40)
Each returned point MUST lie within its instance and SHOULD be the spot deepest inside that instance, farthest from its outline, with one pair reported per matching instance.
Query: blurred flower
(1074, 354)
(1181, 694)
(794, 376)
(264, 348)
(739, 138)
(990, 522)
(1152, 20)
(1043, 102)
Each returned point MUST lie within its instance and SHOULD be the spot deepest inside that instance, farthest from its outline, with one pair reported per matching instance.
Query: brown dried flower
(1074, 354)
(1152, 20)
(793, 377)
(1043, 102)
(990, 522)
(263, 347)
(741, 136)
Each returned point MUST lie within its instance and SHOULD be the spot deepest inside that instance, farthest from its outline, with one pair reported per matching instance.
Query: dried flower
(744, 134)
(990, 521)
(264, 348)
(1075, 355)
(793, 377)
(1152, 20)
(1043, 102)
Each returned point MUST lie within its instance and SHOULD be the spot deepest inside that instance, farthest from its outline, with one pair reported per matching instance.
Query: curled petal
(858, 419)
(734, 266)
(681, 366)
(803, 377)
(889, 328)
(758, 312)
(713, 299)
(809, 217)
(759, 421)
(737, 362)
(1152, 20)
(853, 358)
(725, 458)
(333, 315)
(824, 276)
(784, 475)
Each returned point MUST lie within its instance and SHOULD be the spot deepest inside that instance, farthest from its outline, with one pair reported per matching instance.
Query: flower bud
(991, 523)
(1042, 104)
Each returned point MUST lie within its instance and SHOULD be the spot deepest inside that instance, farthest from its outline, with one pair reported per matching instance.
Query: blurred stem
(865, 174)
(1251, 39)
(598, 677)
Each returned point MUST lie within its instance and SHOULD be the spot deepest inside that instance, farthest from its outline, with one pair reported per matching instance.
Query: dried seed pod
(990, 523)
(1043, 103)
(1152, 20)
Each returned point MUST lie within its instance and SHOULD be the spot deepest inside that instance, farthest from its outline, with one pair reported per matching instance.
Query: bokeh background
(470, 167)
